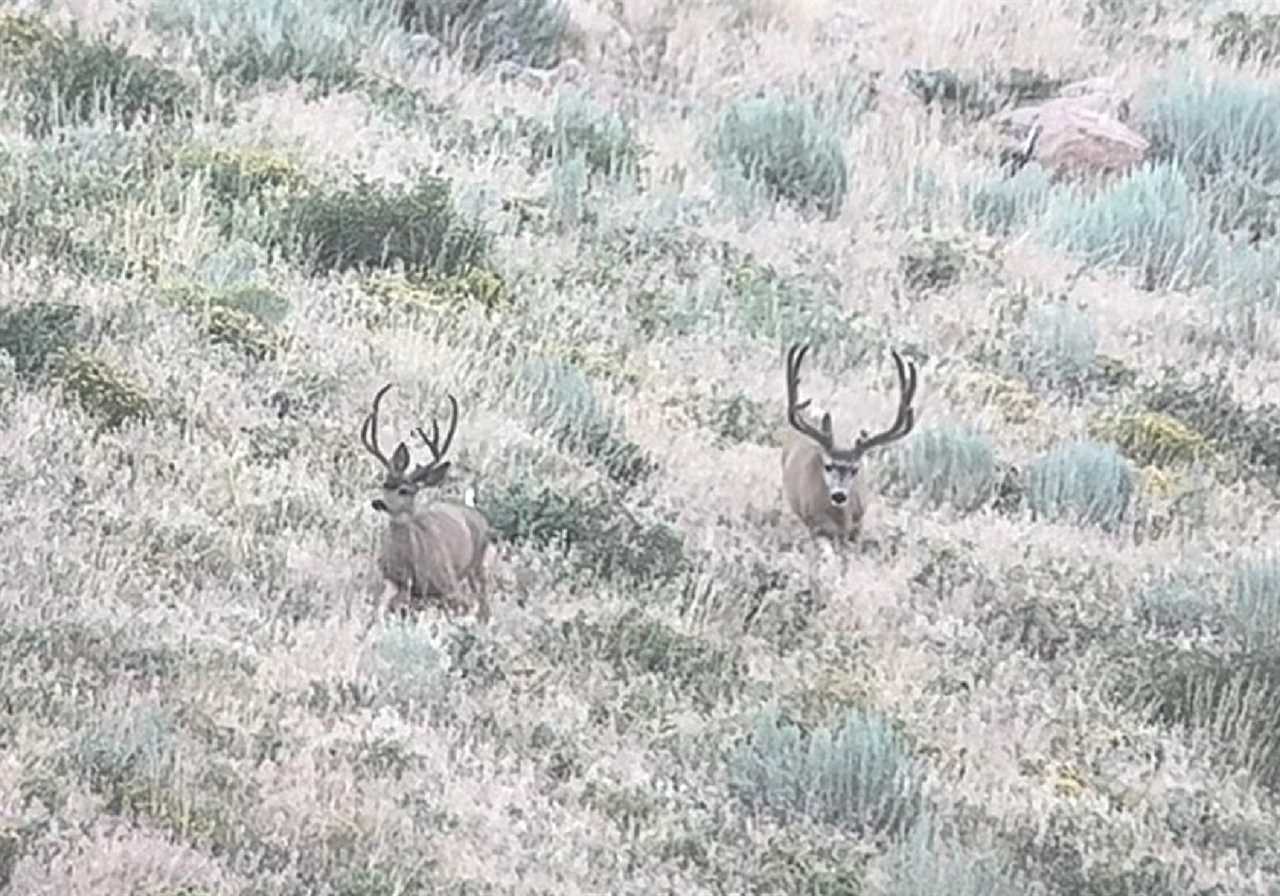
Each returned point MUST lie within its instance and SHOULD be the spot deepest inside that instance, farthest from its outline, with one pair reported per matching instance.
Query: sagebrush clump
(781, 146)
(857, 774)
(1084, 482)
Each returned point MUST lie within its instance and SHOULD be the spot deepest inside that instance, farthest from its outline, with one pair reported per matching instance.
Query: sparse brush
(243, 317)
(1151, 221)
(858, 775)
(1083, 482)
(781, 146)
(1247, 38)
(1255, 602)
(770, 306)
(951, 464)
(1233, 699)
(405, 665)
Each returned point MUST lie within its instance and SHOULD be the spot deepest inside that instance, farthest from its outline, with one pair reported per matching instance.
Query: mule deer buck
(427, 552)
(820, 480)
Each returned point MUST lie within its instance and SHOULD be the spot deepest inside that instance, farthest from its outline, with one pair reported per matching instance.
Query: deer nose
(838, 497)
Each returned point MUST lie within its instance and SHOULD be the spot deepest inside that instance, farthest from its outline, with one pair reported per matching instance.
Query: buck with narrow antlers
(820, 480)
(427, 552)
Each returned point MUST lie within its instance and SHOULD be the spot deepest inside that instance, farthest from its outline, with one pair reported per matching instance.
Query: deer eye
(830, 468)
(405, 490)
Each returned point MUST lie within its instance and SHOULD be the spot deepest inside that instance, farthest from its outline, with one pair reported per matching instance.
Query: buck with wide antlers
(820, 480)
(427, 552)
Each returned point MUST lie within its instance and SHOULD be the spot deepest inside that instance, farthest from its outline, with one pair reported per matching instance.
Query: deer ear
(399, 459)
(432, 475)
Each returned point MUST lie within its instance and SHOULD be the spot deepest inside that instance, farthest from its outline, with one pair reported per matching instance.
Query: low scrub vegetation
(1045, 663)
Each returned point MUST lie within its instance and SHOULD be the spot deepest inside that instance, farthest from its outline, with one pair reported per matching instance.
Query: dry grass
(200, 698)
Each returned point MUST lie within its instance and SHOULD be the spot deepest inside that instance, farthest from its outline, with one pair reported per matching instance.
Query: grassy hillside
(1050, 666)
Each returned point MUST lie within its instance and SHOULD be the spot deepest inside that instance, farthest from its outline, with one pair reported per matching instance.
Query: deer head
(840, 466)
(399, 487)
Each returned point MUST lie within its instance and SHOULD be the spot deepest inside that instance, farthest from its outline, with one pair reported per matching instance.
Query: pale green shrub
(274, 40)
(951, 464)
(1084, 482)
(859, 775)
(1011, 204)
(405, 664)
(1150, 221)
(780, 146)
(1211, 128)
(601, 137)
(1255, 601)
(1060, 344)
(924, 864)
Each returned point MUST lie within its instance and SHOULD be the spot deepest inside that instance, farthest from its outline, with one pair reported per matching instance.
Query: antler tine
(906, 418)
(824, 436)
(432, 442)
(369, 430)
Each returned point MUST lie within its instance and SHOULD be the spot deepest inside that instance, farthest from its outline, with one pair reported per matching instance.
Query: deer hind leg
(479, 582)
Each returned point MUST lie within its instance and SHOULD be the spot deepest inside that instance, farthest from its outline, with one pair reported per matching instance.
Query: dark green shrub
(67, 79)
(368, 225)
(233, 174)
(781, 146)
(592, 530)
(484, 32)
(35, 334)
